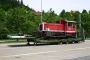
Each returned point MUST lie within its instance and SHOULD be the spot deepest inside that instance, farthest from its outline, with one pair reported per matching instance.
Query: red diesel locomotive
(61, 29)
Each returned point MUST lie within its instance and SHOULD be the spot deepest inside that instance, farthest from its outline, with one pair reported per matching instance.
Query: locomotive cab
(41, 26)
(70, 28)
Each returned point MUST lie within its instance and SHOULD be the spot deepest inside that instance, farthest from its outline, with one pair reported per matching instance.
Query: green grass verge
(12, 41)
(87, 38)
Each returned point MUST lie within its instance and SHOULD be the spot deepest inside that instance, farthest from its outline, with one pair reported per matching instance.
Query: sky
(58, 5)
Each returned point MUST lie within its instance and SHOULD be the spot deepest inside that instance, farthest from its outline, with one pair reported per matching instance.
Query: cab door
(69, 27)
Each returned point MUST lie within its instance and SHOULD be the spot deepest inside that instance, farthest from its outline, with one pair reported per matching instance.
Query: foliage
(62, 14)
(19, 20)
(3, 30)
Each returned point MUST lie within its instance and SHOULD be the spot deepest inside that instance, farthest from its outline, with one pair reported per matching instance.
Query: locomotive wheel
(83, 40)
(44, 36)
(77, 41)
(67, 42)
(60, 43)
(73, 42)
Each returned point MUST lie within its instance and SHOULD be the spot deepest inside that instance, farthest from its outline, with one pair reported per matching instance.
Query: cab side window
(64, 23)
(70, 24)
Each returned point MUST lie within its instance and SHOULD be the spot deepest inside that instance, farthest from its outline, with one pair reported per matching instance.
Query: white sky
(58, 5)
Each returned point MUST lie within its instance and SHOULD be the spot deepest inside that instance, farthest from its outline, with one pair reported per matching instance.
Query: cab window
(40, 27)
(64, 23)
(70, 24)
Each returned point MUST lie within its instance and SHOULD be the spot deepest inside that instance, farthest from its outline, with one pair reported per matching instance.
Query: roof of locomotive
(67, 21)
(70, 21)
(59, 20)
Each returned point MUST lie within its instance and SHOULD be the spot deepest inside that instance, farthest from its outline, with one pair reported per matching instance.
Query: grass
(87, 38)
(12, 41)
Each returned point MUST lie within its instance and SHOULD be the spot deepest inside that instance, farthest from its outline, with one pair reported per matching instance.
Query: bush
(3, 33)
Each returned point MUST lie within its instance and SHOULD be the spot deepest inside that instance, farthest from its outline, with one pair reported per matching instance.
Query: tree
(84, 11)
(76, 18)
(3, 30)
(62, 14)
(8, 4)
(85, 22)
(89, 11)
(68, 16)
(19, 20)
(21, 2)
(49, 16)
